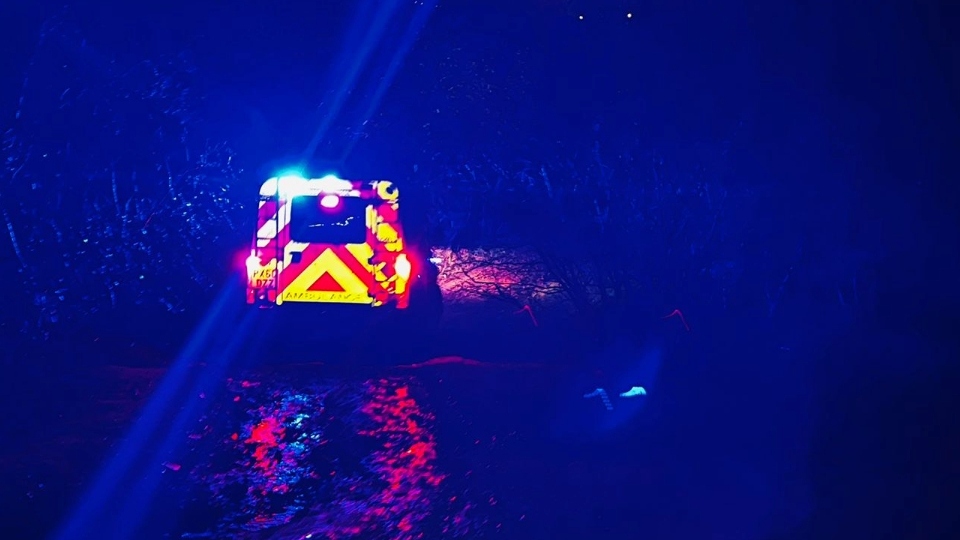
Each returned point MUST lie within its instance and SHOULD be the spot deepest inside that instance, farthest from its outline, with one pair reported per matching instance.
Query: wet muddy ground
(454, 448)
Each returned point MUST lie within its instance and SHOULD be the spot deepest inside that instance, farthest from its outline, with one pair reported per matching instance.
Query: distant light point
(580, 17)
(629, 15)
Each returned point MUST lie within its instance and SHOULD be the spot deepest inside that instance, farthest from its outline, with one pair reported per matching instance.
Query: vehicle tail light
(253, 263)
(402, 266)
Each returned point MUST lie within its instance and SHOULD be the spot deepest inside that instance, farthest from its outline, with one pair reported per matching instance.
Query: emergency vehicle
(332, 241)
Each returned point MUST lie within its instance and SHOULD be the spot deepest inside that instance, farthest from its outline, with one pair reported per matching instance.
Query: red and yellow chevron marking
(328, 273)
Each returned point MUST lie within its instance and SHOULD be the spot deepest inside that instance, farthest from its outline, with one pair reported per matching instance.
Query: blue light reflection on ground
(96, 509)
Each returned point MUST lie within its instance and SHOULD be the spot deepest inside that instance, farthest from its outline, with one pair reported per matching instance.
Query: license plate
(262, 278)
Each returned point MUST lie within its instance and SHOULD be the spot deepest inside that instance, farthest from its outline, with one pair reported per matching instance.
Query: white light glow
(292, 185)
(329, 201)
(253, 263)
(331, 183)
(403, 266)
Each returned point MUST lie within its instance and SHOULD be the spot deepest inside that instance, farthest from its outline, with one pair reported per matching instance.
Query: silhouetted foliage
(610, 230)
(109, 200)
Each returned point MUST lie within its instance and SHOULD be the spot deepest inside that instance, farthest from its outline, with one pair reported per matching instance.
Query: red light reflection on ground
(265, 437)
(333, 460)
(400, 487)
(406, 460)
(268, 468)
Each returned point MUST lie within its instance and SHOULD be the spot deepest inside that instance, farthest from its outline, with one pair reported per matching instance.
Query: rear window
(312, 222)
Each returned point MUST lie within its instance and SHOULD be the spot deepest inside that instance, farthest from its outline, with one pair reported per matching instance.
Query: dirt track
(506, 448)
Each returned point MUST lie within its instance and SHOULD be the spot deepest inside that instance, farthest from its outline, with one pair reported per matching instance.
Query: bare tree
(608, 232)
(515, 276)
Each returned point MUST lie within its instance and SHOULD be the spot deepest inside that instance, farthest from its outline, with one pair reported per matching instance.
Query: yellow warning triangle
(328, 263)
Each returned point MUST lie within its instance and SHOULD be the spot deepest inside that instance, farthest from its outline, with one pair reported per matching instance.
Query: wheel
(426, 307)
